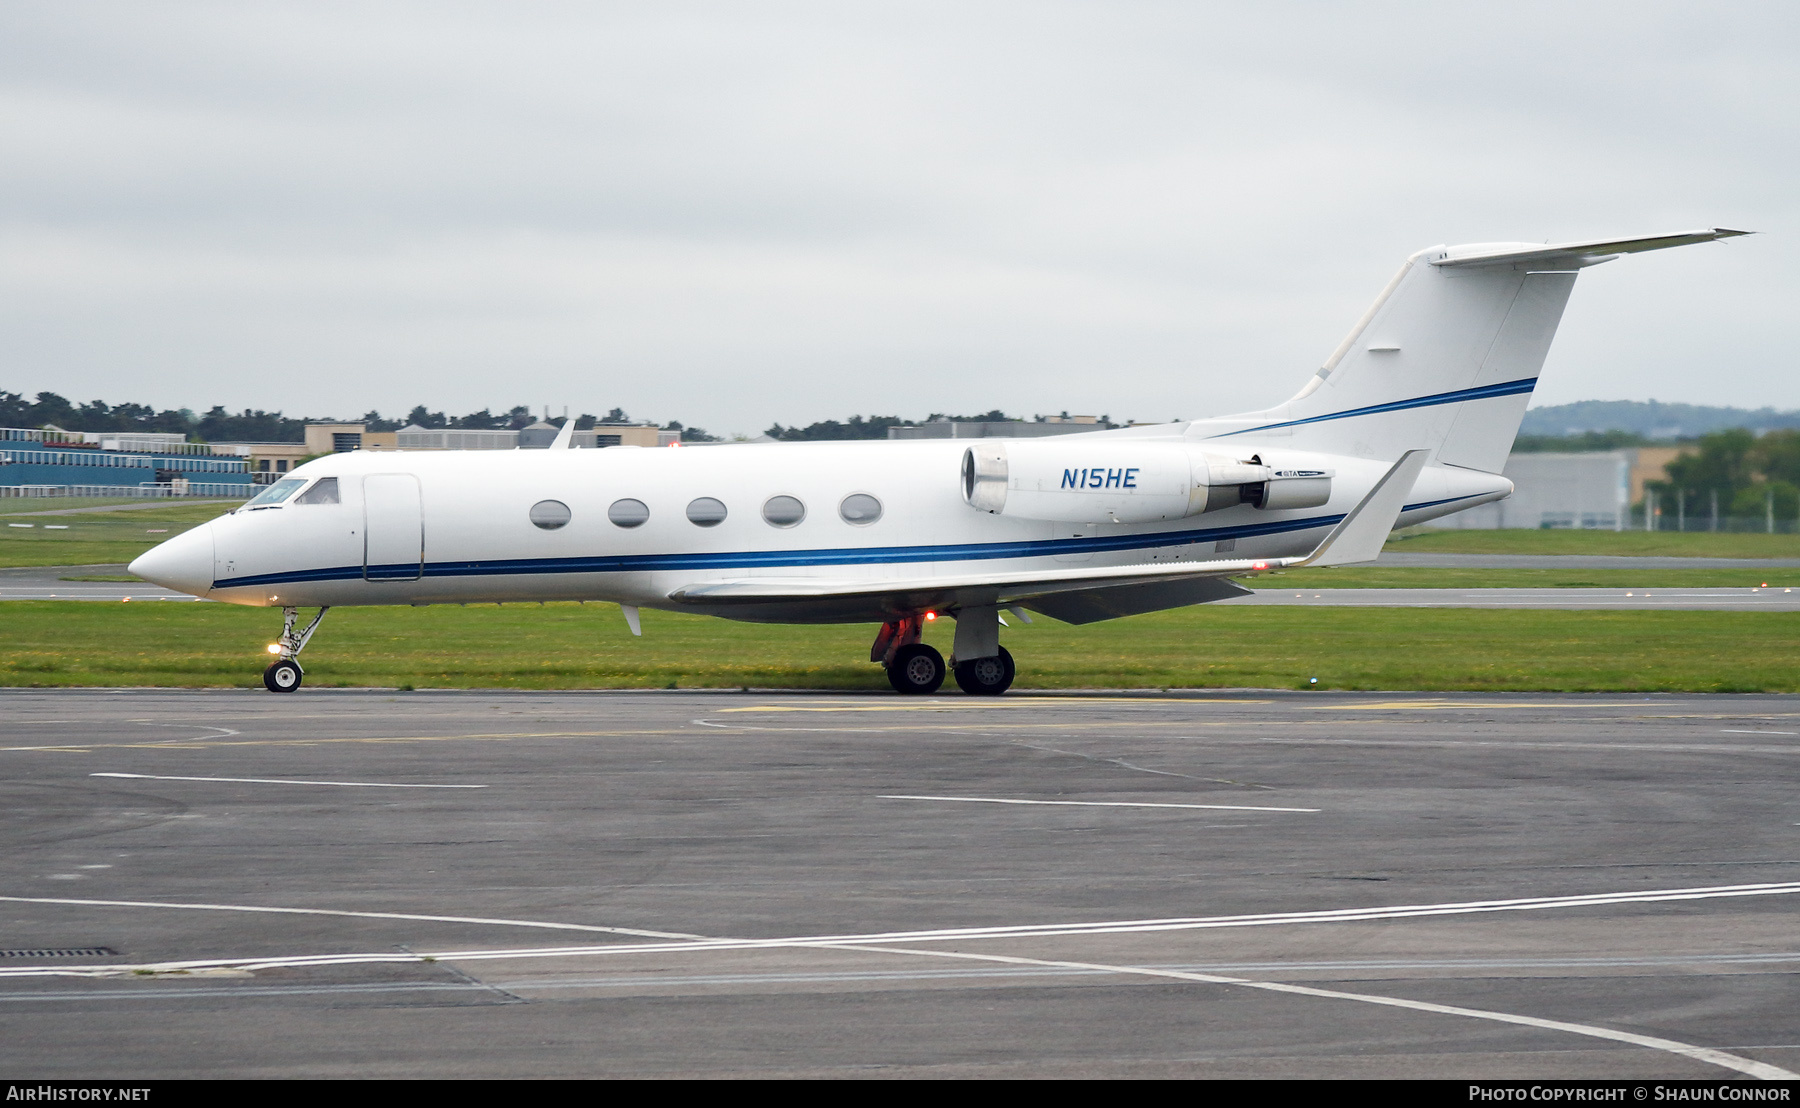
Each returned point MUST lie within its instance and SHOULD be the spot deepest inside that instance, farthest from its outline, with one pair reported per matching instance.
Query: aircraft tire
(283, 676)
(986, 676)
(917, 670)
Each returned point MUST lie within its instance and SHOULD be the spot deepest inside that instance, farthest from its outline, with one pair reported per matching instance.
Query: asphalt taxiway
(1237, 884)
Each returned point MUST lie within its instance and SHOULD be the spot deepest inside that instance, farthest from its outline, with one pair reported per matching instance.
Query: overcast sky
(737, 213)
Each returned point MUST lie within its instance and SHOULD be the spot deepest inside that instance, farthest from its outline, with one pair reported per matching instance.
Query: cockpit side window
(324, 491)
(277, 492)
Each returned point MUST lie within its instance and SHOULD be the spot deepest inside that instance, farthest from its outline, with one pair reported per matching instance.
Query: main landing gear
(986, 676)
(285, 674)
(981, 665)
(916, 668)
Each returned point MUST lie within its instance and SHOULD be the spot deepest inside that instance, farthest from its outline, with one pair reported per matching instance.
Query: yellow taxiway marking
(208, 744)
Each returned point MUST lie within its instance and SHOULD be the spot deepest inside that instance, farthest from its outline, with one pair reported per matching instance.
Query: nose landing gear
(285, 674)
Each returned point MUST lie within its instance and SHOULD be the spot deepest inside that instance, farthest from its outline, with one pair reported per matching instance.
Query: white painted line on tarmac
(698, 942)
(1097, 803)
(339, 912)
(284, 781)
(1731, 731)
(1723, 1059)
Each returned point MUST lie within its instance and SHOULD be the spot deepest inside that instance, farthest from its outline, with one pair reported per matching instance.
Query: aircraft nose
(183, 563)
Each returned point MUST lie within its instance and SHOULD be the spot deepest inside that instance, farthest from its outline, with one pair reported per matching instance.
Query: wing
(1086, 594)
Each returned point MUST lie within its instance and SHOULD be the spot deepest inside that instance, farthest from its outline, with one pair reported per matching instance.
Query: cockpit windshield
(277, 492)
(324, 491)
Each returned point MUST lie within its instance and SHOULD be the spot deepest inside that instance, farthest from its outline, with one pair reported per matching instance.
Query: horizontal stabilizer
(1575, 254)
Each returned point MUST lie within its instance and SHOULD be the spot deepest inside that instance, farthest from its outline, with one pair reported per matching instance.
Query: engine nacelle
(1065, 480)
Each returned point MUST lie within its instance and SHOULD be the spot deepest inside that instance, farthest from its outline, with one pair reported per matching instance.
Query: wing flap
(1094, 605)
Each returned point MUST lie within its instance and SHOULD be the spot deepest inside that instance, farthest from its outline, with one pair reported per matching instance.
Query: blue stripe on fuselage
(764, 559)
(1505, 388)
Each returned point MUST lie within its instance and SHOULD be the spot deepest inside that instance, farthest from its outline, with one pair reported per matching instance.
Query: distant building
(1586, 491)
(37, 462)
(1648, 464)
(1582, 491)
(538, 436)
(268, 461)
(341, 438)
(1008, 429)
(414, 437)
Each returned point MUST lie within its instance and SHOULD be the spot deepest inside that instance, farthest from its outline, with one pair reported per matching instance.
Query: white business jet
(1411, 418)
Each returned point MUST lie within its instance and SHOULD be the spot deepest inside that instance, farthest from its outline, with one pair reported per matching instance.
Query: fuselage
(621, 524)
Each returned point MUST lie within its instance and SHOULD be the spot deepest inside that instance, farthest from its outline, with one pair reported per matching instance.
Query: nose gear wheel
(283, 676)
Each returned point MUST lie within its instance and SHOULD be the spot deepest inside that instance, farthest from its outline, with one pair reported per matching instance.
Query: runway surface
(156, 502)
(1243, 884)
(48, 583)
(1399, 560)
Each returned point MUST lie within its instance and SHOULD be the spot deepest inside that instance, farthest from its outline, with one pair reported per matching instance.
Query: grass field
(91, 538)
(562, 646)
(1378, 577)
(1690, 544)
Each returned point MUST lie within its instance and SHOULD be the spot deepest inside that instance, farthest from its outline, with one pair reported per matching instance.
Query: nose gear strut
(284, 674)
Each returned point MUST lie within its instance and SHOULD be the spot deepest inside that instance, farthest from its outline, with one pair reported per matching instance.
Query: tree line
(1743, 468)
(876, 427)
(254, 425)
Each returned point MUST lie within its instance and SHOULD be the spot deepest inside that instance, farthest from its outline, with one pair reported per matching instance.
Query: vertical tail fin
(1449, 354)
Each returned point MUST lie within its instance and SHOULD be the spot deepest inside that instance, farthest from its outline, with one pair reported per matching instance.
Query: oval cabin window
(550, 514)
(784, 511)
(628, 512)
(706, 512)
(860, 508)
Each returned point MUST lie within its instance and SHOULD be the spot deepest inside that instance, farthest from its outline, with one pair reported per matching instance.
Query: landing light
(274, 648)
